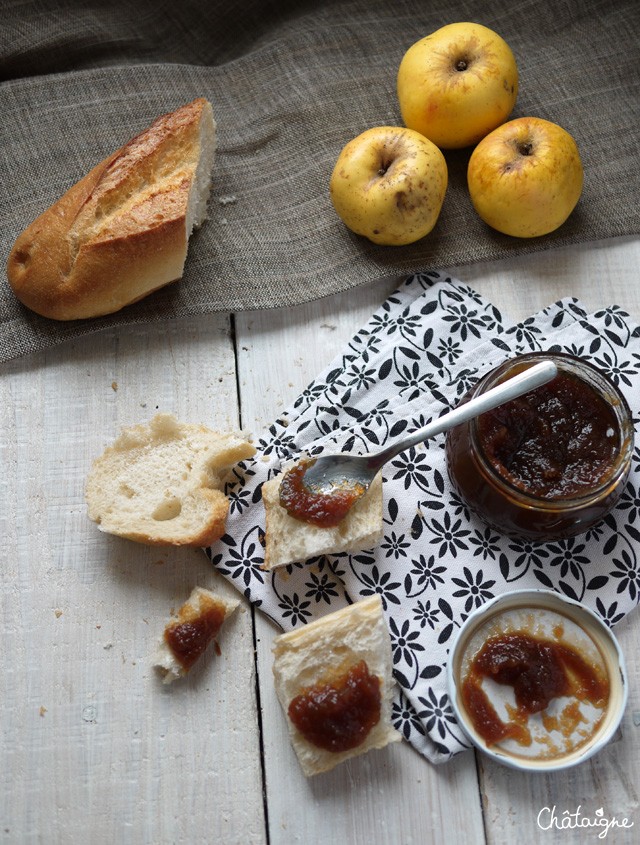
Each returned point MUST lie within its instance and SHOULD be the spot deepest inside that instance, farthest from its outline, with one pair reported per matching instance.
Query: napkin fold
(416, 357)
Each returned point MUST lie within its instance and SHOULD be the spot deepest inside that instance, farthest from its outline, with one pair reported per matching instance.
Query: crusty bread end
(122, 231)
(162, 482)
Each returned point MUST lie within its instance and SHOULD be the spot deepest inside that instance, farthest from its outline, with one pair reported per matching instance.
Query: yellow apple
(388, 184)
(525, 178)
(457, 84)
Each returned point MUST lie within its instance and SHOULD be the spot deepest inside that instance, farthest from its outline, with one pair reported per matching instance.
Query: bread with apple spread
(334, 681)
(289, 540)
(187, 636)
(122, 231)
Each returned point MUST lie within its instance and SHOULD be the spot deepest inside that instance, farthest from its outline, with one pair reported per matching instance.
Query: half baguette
(122, 231)
(162, 483)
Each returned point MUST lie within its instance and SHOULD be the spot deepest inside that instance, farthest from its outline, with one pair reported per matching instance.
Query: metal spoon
(344, 471)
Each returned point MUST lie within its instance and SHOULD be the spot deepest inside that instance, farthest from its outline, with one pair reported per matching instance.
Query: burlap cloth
(291, 82)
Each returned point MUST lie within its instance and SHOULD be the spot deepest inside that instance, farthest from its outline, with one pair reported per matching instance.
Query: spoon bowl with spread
(323, 490)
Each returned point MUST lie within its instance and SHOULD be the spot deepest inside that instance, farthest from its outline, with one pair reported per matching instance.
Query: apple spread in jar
(338, 714)
(551, 463)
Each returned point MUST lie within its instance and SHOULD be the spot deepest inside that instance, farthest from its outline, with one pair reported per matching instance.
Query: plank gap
(483, 809)
(233, 337)
(263, 766)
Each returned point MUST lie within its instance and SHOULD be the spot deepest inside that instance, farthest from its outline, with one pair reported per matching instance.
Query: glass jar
(550, 464)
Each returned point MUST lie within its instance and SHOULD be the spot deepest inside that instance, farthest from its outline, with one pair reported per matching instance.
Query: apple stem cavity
(461, 65)
(525, 149)
(384, 167)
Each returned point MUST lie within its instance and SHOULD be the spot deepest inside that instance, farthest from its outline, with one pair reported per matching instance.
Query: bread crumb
(89, 713)
(114, 385)
(58, 613)
(43, 710)
(227, 199)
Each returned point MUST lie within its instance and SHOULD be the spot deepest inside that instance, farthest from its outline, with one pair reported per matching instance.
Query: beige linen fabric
(291, 82)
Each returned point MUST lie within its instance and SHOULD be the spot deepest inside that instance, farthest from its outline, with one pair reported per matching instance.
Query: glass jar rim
(607, 389)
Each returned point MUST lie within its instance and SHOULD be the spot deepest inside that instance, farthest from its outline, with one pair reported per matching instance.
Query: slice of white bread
(162, 482)
(187, 636)
(290, 540)
(309, 657)
(122, 231)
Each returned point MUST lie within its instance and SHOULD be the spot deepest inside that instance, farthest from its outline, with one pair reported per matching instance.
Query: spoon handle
(510, 389)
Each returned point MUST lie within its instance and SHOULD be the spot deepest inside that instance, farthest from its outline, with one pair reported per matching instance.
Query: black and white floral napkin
(416, 357)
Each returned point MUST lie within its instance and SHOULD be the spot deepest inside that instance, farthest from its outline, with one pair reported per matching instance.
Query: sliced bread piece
(321, 665)
(290, 540)
(162, 482)
(187, 636)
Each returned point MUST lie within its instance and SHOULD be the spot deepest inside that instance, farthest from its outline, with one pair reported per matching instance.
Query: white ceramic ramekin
(540, 611)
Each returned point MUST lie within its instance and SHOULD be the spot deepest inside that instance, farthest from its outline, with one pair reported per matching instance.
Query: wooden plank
(93, 748)
(599, 275)
(521, 808)
(96, 749)
(393, 795)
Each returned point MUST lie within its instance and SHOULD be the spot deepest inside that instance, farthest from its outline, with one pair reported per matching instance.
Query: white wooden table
(94, 749)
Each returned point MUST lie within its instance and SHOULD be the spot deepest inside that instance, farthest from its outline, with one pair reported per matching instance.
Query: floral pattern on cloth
(416, 357)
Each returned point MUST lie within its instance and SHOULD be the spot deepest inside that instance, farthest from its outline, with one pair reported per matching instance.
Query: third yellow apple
(525, 178)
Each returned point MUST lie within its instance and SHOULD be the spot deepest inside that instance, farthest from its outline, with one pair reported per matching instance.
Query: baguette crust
(122, 231)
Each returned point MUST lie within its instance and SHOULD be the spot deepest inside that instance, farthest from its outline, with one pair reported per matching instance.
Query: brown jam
(325, 510)
(337, 715)
(539, 670)
(555, 442)
(189, 636)
(551, 463)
